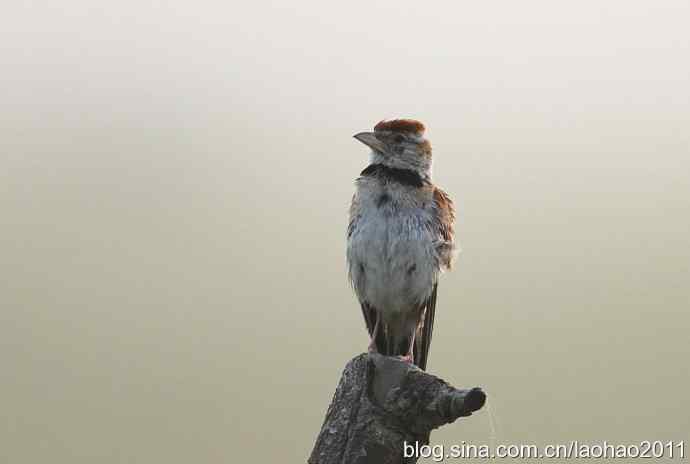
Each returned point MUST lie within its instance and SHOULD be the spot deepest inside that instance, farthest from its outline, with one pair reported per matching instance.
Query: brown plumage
(444, 218)
(401, 125)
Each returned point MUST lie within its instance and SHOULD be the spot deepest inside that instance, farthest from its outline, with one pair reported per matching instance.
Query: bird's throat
(402, 176)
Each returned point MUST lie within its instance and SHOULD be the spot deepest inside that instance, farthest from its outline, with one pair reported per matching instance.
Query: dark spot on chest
(411, 269)
(383, 200)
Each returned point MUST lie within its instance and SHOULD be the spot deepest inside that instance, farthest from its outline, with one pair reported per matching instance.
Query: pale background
(174, 181)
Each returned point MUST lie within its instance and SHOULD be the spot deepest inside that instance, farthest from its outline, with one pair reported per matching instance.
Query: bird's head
(399, 143)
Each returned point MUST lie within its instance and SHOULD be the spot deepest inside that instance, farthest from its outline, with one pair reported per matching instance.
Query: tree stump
(382, 404)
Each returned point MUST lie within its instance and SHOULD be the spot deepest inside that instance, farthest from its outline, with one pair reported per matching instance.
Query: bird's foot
(408, 358)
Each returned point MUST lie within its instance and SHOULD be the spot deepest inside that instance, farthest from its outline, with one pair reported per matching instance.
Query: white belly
(392, 260)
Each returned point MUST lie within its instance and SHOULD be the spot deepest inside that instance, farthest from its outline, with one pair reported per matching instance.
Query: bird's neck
(402, 176)
(412, 166)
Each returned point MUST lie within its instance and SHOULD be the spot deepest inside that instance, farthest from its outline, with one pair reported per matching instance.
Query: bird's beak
(369, 139)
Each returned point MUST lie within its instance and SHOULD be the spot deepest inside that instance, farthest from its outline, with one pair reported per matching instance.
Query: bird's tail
(390, 346)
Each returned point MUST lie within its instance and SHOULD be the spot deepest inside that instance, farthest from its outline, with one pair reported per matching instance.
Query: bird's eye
(399, 139)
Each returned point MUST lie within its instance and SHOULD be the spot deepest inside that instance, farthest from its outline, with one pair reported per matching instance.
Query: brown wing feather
(444, 216)
(426, 328)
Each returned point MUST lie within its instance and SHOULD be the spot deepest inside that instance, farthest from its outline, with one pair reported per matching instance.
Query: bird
(400, 238)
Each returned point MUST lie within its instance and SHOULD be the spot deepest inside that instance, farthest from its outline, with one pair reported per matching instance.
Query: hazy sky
(174, 181)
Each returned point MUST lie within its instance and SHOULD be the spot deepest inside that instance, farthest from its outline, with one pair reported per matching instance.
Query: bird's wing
(443, 215)
(443, 218)
(353, 215)
(368, 312)
(424, 331)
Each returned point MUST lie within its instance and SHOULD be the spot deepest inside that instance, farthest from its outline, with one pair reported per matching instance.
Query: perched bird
(399, 240)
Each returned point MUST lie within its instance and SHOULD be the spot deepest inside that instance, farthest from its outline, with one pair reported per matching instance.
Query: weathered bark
(382, 403)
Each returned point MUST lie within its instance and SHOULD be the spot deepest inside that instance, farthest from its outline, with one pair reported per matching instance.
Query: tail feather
(370, 315)
(423, 339)
(385, 343)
